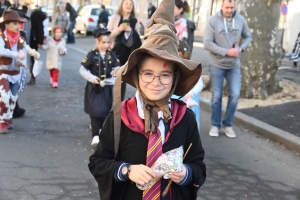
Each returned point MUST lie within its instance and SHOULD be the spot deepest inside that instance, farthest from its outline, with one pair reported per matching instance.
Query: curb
(289, 140)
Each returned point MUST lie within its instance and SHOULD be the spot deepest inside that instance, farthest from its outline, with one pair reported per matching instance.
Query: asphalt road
(46, 155)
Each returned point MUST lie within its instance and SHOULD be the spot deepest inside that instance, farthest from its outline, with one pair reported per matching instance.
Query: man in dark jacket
(151, 10)
(4, 4)
(72, 15)
(103, 16)
(36, 36)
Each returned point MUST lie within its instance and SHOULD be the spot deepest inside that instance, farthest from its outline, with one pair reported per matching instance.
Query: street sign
(284, 9)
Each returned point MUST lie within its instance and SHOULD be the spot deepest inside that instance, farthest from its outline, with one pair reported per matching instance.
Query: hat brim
(23, 20)
(190, 71)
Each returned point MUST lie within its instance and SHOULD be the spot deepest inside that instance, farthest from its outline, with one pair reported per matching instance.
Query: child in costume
(192, 98)
(151, 124)
(12, 60)
(96, 68)
(56, 47)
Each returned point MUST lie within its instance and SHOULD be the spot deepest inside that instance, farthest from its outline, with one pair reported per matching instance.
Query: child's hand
(21, 56)
(141, 174)
(19, 64)
(178, 176)
(37, 55)
(97, 81)
(62, 53)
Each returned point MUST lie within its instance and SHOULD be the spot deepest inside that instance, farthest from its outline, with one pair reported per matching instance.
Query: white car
(88, 18)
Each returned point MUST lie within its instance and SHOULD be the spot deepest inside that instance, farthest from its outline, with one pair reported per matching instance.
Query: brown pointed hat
(161, 42)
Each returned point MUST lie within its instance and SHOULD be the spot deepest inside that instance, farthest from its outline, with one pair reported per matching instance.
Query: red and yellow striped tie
(154, 150)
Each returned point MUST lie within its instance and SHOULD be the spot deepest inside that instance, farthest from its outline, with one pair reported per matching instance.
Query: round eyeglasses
(164, 78)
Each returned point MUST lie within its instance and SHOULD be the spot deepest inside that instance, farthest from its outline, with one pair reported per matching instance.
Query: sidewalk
(280, 123)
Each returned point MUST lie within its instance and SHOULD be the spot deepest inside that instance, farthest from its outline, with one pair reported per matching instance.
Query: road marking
(77, 49)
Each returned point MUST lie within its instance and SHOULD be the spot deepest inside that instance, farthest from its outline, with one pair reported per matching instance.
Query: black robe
(133, 149)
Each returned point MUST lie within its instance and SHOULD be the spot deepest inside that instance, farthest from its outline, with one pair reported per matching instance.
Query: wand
(165, 192)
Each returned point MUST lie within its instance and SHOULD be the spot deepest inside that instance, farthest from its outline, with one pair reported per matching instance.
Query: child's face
(103, 43)
(177, 11)
(159, 87)
(58, 34)
(13, 26)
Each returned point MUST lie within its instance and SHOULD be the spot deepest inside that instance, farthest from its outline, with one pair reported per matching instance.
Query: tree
(262, 58)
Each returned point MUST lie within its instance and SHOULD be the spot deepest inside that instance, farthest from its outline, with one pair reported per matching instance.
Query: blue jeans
(14, 88)
(71, 38)
(233, 79)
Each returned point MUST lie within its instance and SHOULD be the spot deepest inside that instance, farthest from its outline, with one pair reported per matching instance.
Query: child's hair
(186, 7)
(183, 48)
(58, 27)
(179, 4)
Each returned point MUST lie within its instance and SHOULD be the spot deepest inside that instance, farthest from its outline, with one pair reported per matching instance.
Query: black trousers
(97, 124)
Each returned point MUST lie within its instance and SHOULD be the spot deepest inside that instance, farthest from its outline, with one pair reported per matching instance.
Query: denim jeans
(233, 79)
(71, 38)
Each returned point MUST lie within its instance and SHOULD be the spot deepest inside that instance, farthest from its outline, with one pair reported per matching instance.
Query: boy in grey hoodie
(222, 39)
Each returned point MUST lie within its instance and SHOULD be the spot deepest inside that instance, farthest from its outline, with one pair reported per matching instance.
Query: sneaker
(214, 131)
(9, 123)
(229, 132)
(55, 85)
(95, 141)
(3, 127)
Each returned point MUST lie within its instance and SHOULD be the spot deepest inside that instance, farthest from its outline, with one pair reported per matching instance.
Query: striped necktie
(154, 150)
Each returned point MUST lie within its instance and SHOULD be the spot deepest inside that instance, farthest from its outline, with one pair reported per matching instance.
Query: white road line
(77, 49)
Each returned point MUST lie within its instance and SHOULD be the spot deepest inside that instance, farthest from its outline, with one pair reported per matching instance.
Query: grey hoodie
(220, 35)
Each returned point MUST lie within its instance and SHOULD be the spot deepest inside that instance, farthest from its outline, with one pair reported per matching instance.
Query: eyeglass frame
(158, 78)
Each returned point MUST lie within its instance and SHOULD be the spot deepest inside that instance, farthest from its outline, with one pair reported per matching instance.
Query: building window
(116, 3)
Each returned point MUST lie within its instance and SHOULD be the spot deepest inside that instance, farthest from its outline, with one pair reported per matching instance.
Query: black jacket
(97, 99)
(37, 28)
(72, 12)
(133, 149)
(103, 17)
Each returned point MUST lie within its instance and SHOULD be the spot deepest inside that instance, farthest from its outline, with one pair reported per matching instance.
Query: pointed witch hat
(160, 42)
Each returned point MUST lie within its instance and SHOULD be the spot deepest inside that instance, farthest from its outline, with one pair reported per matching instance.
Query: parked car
(88, 18)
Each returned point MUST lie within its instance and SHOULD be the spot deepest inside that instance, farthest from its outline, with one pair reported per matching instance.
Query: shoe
(95, 141)
(3, 127)
(295, 64)
(9, 123)
(18, 112)
(229, 132)
(55, 85)
(214, 131)
(31, 81)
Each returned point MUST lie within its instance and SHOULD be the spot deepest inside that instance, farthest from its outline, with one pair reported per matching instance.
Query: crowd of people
(154, 121)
